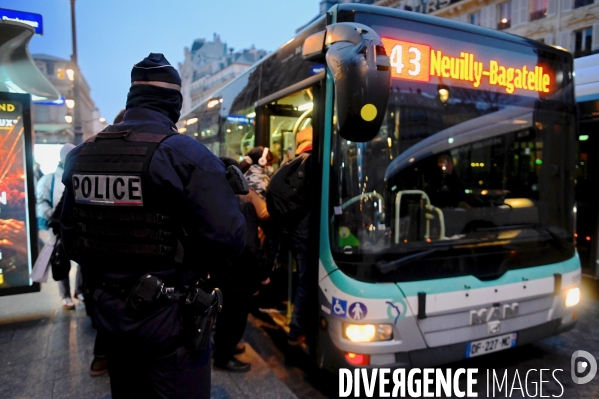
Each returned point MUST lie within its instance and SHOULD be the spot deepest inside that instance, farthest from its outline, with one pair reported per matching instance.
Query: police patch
(108, 190)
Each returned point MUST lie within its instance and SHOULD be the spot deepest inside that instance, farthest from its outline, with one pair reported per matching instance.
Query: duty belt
(170, 294)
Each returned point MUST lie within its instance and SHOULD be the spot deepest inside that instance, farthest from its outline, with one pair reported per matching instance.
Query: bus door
(587, 180)
(282, 119)
(279, 120)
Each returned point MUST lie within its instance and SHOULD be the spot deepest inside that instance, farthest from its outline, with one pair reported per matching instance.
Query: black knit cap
(155, 68)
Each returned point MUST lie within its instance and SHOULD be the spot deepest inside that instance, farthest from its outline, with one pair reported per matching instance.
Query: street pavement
(46, 352)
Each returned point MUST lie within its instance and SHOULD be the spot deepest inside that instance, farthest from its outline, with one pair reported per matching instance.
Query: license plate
(490, 345)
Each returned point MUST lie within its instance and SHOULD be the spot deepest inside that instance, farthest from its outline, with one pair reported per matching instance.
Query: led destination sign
(420, 62)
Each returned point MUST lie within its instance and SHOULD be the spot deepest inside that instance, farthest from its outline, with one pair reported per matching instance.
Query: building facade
(209, 65)
(571, 24)
(53, 121)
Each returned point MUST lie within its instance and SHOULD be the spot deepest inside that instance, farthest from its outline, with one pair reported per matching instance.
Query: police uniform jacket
(190, 184)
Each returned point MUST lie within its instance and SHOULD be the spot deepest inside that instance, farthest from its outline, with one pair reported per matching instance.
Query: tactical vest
(117, 211)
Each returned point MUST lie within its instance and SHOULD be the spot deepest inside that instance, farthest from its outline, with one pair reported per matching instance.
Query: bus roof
(444, 22)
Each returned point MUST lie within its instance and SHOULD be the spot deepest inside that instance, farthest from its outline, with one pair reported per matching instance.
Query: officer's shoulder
(184, 148)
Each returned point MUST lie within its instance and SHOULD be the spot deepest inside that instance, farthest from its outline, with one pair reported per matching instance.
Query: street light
(75, 72)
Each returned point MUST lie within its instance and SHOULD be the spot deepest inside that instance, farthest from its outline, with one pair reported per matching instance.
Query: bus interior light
(251, 115)
(367, 332)
(357, 359)
(306, 106)
(572, 297)
(191, 121)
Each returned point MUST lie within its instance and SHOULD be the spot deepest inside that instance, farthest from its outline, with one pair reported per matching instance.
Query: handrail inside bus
(428, 206)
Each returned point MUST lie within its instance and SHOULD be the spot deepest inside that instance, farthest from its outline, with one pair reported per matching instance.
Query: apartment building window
(475, 18)
(583, 39)
(504, 13)
(582, 3)
(538, 9)
(50, 68)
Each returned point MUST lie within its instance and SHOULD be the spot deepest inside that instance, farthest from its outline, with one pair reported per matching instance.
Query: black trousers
(230, 324)
(137, 375)
(101, 344)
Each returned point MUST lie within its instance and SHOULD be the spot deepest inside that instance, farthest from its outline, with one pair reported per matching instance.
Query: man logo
(496, 312)
(580, 366)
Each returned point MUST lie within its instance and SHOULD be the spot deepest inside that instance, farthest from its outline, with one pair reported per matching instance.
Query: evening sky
(112, 35)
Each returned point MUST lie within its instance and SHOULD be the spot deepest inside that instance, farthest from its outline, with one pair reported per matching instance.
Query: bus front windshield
(459, 181)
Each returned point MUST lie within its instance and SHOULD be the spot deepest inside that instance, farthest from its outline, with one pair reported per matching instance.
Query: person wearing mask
(149, 213)
(49, 190)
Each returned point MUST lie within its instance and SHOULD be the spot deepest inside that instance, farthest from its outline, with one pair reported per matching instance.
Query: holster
(201, 309)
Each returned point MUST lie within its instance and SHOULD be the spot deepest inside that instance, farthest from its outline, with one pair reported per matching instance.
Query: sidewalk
(46, 351)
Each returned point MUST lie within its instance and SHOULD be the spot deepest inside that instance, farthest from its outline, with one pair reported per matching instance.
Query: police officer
(146, 204)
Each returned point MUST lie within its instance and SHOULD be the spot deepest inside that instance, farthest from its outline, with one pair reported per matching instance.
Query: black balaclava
(156, 85)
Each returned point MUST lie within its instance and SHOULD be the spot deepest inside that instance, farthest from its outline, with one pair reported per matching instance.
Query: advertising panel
(18, 231)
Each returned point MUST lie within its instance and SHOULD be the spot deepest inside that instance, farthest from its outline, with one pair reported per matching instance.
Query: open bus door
(20, 82)
(279, 118)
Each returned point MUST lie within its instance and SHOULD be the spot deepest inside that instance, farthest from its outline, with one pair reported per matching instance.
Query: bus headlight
(572, 297)
(367, 332)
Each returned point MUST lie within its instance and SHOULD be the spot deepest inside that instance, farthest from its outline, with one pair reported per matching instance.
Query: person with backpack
(245, 275)
(288, 202)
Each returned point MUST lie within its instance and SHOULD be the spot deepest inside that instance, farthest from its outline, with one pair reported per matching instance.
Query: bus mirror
(313, 49)
(360, 67)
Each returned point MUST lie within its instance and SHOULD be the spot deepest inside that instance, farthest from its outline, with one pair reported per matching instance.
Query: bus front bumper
(333, 358)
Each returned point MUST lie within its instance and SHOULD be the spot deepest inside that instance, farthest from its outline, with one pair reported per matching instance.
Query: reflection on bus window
(456, 175)
(239, 136)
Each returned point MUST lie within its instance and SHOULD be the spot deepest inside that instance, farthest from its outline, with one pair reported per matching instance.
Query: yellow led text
(466, 68)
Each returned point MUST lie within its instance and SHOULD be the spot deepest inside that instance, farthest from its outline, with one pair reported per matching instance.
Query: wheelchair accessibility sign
(339, 307)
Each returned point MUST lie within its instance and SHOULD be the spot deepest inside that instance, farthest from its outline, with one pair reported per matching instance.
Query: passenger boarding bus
(587, 170)
(443, 212)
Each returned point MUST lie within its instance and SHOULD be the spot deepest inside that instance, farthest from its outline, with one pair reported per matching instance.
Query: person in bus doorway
(250, 273)
(257, 167)
(150, 214)
(49, 190)
(298, 245)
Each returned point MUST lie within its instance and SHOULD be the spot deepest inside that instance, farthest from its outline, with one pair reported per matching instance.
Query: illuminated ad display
(17, 201)
(466, 65)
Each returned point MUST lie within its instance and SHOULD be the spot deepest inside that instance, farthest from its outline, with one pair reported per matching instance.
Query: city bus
(442, 219)
(586, 89)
